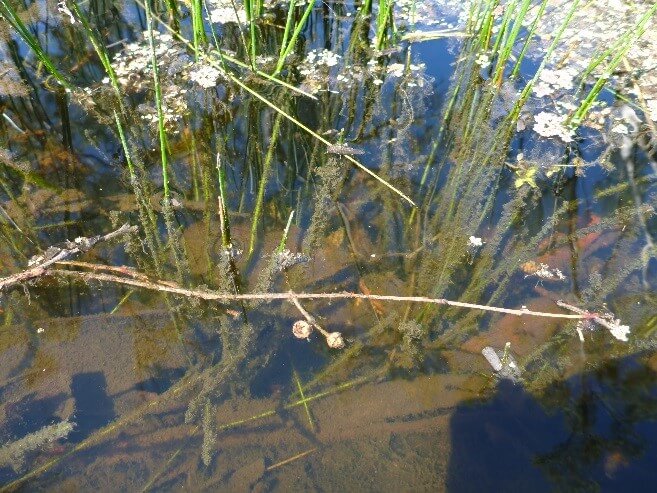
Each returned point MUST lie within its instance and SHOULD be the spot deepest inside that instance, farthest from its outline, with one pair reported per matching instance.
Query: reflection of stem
(286, 232)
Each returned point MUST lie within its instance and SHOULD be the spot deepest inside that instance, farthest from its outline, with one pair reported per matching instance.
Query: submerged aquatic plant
(14, 453)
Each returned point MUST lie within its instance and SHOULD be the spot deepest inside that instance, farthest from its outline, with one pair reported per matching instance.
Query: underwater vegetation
(285, 245)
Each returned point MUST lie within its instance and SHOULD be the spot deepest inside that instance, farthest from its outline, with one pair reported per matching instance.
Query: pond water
(394, 165)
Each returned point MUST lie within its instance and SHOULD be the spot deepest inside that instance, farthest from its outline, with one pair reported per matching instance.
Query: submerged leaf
(526, 176)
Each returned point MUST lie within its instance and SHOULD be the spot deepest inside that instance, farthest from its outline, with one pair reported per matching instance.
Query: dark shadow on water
(159, 384)
(494, 443)
(594, 432)
(93, 407)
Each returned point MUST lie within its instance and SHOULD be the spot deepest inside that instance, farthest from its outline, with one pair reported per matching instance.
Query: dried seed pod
(302, 329)
(335, 340)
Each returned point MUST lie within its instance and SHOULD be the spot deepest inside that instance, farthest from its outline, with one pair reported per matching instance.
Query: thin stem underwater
(622, 47)
(226, 57)
(101, 51)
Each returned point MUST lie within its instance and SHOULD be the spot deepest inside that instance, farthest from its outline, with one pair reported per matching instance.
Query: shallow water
(165, 391)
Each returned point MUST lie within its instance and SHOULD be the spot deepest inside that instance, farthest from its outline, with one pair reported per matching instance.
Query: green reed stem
(124, 144)
(628, 39)
(530, 35)
(101, 51)
(223, 57)
(503, 30)
(8, 12)
(251, 17)
(281, 245)
(510, 41)
(288, 27)
(487, 23)
(158, 103)
(236, 80)
(198, 27)
(223, 211)
(474, 11)
(513, 116)
(383, 18)
(240, 30)
(174, 15)
(266, 171)
(295, 35)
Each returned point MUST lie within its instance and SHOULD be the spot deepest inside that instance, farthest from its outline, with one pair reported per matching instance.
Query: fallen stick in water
(39, 264)
(617, 330)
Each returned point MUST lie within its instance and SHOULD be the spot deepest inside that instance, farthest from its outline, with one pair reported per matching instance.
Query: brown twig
(121, 269)
(215, 296)
(71, 249)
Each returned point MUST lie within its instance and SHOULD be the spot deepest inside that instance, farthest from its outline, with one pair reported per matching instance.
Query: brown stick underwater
(215, 296)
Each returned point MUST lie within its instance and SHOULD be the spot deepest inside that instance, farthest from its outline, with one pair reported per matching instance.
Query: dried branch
(39, 265)
(215, 296)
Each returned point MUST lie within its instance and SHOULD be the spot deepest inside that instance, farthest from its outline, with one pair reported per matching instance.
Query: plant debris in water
(502, 362)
